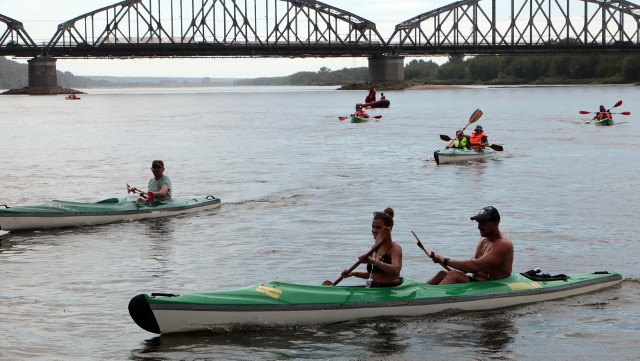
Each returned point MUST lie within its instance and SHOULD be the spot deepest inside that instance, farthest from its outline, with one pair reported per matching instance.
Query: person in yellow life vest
(602, 114)
(479, 139)
(461, 141)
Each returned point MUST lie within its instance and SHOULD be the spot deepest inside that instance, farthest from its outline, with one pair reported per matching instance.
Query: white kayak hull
(457, 155)
(72, 214)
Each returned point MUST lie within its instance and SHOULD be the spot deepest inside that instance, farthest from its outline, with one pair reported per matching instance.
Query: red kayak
(382, 103)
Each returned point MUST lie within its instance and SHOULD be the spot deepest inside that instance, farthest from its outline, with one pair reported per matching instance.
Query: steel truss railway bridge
(307, 28)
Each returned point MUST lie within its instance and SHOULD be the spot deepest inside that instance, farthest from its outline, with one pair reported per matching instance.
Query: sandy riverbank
(433, 87)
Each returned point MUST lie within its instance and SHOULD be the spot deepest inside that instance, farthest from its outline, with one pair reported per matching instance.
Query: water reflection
(486, 333)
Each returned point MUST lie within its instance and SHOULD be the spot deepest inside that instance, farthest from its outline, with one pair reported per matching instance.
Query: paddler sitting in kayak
(360, 113)
(603, 114)
(384, 266)
(479, 139)
(371, 97)
(461, 141)
(493, 259)
(159, 186)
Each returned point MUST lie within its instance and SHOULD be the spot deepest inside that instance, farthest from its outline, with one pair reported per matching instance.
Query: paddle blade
(475, 116)
(626, 113)
(584, 112)
(619, 103)
(499, 148)
(128, 188)
(383, 241)
(342, 118)
(445, 137)
(378, 117)
(150, 197)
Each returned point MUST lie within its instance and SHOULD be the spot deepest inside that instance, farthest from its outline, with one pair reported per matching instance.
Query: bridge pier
(43, 77)
(386, 69)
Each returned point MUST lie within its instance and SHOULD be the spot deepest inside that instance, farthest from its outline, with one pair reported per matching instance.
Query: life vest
(361, 114)
(477, 138)
(461, 144)
(604, 115)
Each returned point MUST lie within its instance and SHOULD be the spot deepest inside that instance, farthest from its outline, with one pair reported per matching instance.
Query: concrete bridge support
(42, 74)
(386, 69)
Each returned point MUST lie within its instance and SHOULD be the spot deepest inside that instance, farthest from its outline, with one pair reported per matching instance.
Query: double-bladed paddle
(447, 138)
(619, 103)
(375, 117)
(586, 112)
(384, 235)
(472, 119)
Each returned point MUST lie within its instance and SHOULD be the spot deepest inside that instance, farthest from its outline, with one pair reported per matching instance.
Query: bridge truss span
(15, 37)
(522, 26)
(217, 28)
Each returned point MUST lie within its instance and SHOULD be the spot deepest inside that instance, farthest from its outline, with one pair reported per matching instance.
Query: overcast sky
(41, 18)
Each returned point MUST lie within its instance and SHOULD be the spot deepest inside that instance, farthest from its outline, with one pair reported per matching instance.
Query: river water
(298, 188)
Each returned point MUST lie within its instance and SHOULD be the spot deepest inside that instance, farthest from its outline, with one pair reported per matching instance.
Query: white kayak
(453, 155)
(58, 214)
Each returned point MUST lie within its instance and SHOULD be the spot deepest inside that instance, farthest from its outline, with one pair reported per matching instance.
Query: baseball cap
(157, 162)
(487, 214)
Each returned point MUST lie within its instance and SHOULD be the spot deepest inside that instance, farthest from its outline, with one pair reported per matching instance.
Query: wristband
(444, 263)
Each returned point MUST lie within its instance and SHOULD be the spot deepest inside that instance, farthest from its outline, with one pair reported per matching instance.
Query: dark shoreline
(51, 91)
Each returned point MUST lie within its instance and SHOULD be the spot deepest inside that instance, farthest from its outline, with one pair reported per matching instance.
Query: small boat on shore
(453, 155)
(277, 304)
(72, 97)
(58, 214)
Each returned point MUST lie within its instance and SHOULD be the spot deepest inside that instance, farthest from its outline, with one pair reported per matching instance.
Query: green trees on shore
(478, 70)
(487, 70)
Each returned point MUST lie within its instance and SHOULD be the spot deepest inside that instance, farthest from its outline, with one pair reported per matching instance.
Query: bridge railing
(201, 24)
(520, 23)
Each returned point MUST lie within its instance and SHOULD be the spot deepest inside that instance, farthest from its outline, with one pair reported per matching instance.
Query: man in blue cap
(479, 139)
(493, 258)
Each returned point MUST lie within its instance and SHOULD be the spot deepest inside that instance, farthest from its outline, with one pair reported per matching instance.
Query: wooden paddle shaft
(355, 265)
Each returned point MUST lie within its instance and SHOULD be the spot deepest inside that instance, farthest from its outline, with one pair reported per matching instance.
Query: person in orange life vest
(602, 114)
(360, 113)
(372, 95)
(479, 139)
(461, 141)
(382, 97)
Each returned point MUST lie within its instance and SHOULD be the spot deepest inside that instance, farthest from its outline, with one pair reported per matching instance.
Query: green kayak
(355, 119)
(605, 122)
(57, 214)
(281, 304)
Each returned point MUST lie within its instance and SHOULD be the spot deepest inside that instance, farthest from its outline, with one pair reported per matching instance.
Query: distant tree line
(480, 70)
(324, 76)
(14, 75)
(530, 69)
(486, 70)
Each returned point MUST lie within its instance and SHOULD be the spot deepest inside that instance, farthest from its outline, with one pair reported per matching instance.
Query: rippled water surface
(299, 187)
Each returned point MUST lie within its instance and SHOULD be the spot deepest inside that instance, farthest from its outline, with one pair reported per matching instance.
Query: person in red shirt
(372, 95)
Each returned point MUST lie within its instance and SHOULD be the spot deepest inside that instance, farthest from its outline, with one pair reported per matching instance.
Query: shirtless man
(493, 258)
